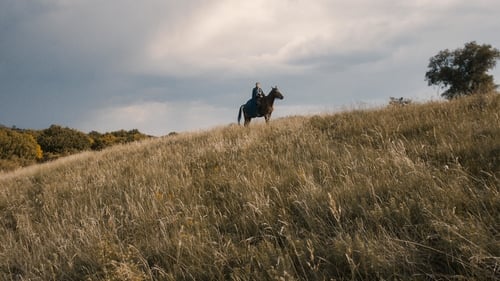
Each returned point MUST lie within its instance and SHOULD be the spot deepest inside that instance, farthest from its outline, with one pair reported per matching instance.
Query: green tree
(463, 71)
(101, 141)
(58, 141)
(128, 136)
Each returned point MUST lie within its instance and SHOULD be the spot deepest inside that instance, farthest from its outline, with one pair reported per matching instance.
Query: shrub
(17, 149)
(57, 140)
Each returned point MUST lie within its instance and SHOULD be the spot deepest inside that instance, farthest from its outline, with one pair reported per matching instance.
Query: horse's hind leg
(247, 121)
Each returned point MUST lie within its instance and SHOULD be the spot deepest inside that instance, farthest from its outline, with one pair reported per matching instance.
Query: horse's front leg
(267, 117)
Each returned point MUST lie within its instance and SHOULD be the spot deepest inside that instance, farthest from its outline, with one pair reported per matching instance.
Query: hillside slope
(396, 193)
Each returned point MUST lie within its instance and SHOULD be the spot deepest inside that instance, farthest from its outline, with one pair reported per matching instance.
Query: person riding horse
(257, 95)
(260, 105)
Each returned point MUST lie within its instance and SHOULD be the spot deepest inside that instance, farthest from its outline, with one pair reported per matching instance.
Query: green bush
(57, 141)
(101, 141)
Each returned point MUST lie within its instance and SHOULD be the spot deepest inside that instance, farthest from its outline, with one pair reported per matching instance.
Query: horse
(264, 110)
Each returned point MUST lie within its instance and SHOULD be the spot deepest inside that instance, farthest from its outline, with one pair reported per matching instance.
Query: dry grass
(406, 193)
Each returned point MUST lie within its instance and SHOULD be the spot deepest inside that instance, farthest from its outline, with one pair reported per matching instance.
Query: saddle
(253, 107)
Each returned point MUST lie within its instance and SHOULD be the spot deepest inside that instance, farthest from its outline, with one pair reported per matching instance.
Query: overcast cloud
(162, 66)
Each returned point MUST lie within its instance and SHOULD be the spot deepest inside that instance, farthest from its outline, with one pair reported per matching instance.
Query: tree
(18, 145)
(17, 149)
(101, 141)
(464, 70)
(59, 141)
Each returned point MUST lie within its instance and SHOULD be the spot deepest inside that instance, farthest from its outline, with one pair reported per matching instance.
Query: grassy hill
(400, 193)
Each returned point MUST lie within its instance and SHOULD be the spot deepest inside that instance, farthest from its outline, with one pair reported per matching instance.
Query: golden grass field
(396, 193)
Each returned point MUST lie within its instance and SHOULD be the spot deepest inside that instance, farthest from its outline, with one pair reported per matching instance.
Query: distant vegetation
(399, 193)
(463, 71)
(20, 147)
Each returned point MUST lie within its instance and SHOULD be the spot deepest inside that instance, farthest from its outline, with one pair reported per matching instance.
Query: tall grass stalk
(399, 193)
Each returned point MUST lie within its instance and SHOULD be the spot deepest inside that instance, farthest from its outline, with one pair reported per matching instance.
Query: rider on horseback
(257, 95)
(251, 110)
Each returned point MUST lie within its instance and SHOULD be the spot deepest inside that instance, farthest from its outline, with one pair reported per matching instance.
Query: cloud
(161, 118)
(248, 37)
(157, 118)
(65, 61)
(244, 37)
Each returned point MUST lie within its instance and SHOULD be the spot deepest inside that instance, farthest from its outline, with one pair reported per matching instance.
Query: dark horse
(264, 110)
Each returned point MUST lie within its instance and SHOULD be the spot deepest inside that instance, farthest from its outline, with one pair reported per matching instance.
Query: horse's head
(276, 93)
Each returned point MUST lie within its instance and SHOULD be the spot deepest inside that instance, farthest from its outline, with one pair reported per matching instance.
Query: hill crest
(400, 192)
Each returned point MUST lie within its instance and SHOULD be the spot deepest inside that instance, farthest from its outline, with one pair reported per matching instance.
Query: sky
(188, 65)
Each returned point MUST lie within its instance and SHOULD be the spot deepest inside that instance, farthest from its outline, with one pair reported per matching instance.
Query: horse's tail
(239, 114)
